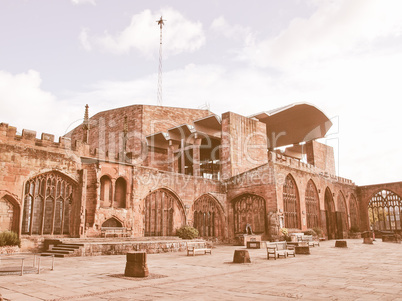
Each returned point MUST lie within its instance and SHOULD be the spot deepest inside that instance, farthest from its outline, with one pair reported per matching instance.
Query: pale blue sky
(243, 56)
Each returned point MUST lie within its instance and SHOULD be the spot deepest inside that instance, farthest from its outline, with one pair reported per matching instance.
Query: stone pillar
(368, 240)
(341, 244)
(182, 158)
(136, 265)
(171, 157)
(241, 256)
(196, 158)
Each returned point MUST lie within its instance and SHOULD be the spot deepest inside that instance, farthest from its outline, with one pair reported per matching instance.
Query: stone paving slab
(359, 272)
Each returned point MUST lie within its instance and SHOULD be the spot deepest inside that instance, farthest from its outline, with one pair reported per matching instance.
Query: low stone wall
(121, 248)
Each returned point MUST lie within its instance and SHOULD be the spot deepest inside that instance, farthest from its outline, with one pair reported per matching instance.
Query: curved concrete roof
(294, 123)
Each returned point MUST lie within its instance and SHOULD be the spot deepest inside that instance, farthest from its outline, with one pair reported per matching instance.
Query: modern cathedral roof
(294, 123)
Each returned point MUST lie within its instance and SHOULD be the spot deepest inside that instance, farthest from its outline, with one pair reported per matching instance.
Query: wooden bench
(114, 231)
(198, 247)
(280, 248)
(310, 240)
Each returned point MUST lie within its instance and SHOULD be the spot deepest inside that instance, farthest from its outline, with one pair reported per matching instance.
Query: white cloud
(83, 37)
(80, 2)
(234, 32)
(24, 104)
(142, 34)
(336, 28)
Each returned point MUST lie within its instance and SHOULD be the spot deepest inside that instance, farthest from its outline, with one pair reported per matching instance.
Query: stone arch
(9, 214)
(208, 216)
(120, 193)
(330, 214)
(291, 203)
(354, 212)
(312, 205)
(385, 211)
(163, 213)
(112, 222)
(342, 216)
(106, 191)
(47, 204)
(249, 209)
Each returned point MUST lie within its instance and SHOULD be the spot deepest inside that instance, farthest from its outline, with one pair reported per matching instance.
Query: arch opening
(330, 214)
(112, 222)
(291, 203)
(249, 209)
(47, 202)
(342, 217)
(163, 213)
(312, 206)
(385, 211)
(9, 214)
(120, 193)
(208, 217)
(106, 191)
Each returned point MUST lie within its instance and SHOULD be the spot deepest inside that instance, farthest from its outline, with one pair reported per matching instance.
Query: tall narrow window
(291, 203)
(120, 195)
(47, 204)
(106, 191)
(312, 205)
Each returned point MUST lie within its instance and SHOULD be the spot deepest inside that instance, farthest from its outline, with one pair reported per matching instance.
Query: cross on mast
(159, 100)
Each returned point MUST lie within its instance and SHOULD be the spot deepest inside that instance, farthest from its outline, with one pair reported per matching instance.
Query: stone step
(62, 248)
(50, 254)
(60, 251)
(72, 246)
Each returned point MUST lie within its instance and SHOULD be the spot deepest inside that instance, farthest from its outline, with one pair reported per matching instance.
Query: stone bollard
(136, 265)
(368, 240)
(305, 250)
(241, 256)
(341, 244)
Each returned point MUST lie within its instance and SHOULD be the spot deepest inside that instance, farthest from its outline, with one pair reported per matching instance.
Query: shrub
(284, 231)
(310, 232)
(8, 238)
(354, 229)
(187, 232)
(285, 234)
(318, 232)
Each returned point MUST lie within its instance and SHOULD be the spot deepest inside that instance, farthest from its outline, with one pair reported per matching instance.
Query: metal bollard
(22, 266)
(39, 265)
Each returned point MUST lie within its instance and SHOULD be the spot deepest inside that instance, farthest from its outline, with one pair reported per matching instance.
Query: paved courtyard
(360, 272)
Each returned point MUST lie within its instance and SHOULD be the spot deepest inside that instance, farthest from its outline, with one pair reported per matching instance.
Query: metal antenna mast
(160, 23)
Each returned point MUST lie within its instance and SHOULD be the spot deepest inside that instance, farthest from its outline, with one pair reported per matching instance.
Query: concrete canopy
(293, 124)
(210, 125)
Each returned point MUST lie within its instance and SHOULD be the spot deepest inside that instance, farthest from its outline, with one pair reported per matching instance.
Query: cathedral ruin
(152, 169)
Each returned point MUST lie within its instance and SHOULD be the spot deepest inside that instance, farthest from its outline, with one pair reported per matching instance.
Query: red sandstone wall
(259, 181)
(23, 157)
(159, 119)
(365, 193)
(106, 129)
(187, 188)
(244, 144)
(321, 156)
(106, 132)
(302, 173)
